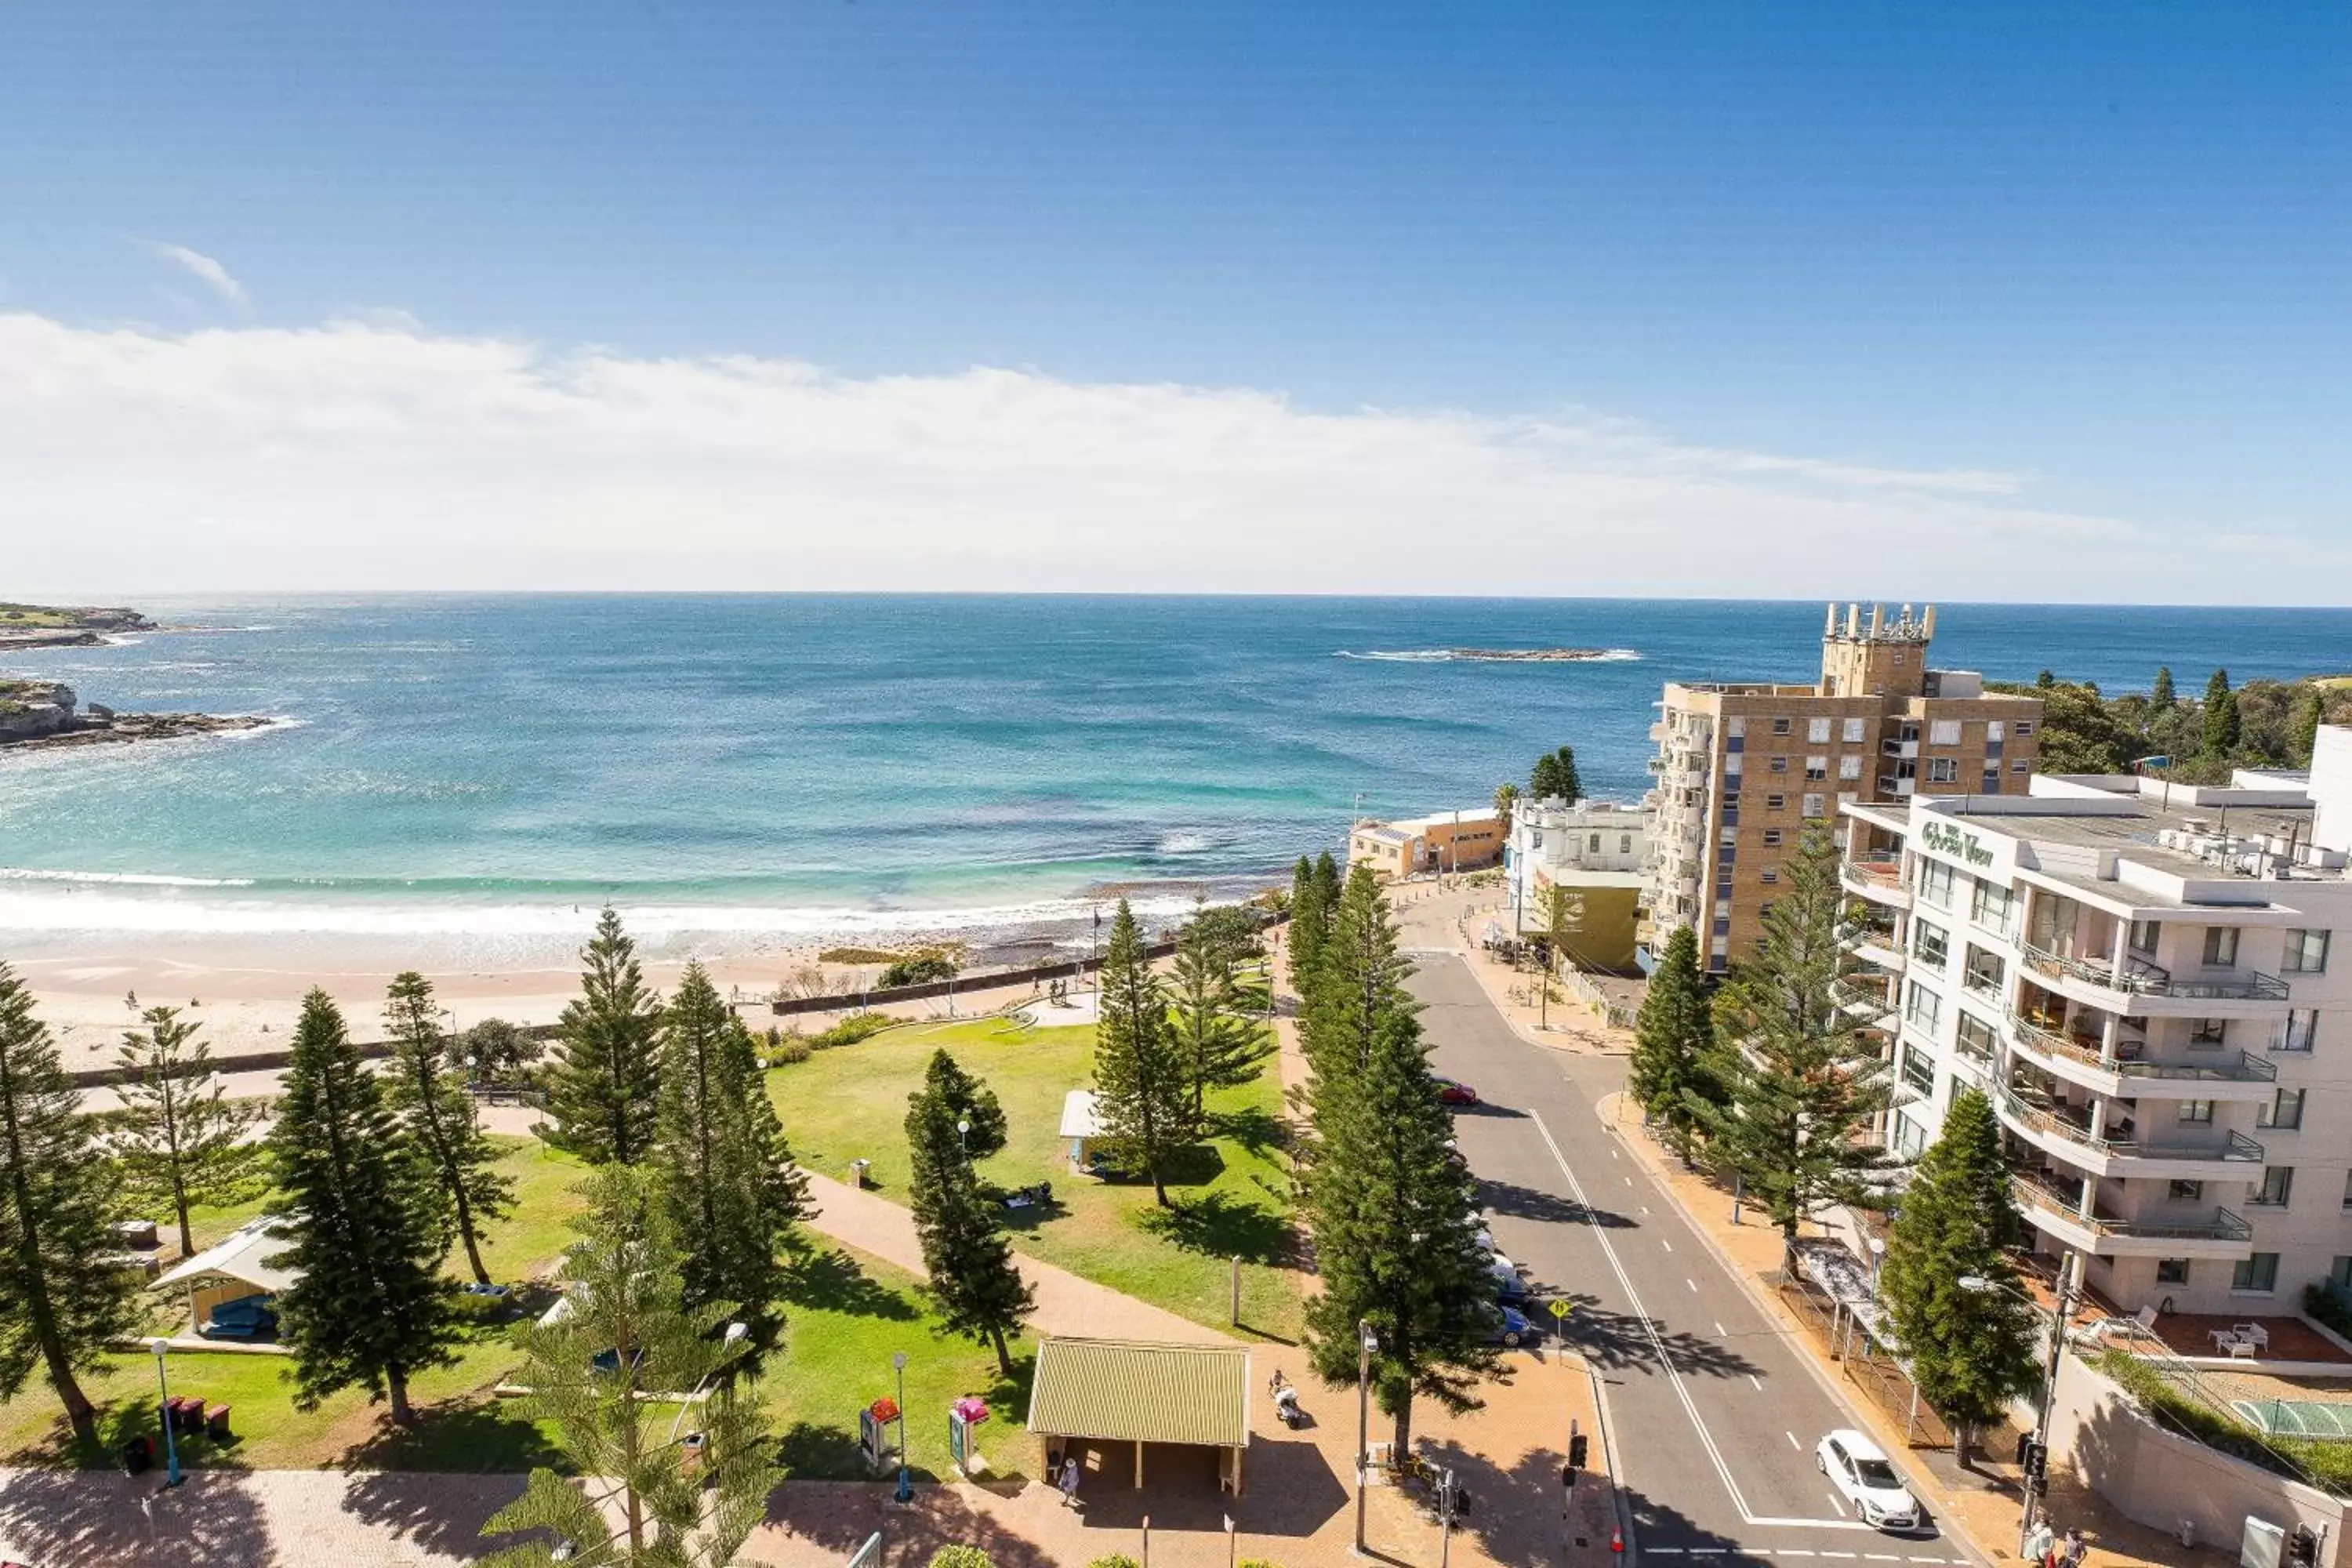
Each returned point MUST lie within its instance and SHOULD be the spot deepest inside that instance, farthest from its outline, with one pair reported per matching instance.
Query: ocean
(494, 768)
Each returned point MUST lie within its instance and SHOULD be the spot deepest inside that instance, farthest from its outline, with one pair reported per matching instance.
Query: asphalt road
(1713, 1415)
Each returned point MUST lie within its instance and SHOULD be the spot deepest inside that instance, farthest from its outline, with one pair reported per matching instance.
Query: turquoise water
(827, 763)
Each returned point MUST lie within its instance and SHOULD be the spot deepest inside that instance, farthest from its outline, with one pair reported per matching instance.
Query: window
(2020, 765)
(1982, 971)
(1936, 883)
(2220, 946)
(2145, 934)
(1779, 764)
(1944, 733)
(1977, 1038)
(2258, 1273)
(1769, 875)
(1992, 732)
(1991, 782)
(1919, 1069)
(1817, 769)
(2025, 728)
(2276, 1188)
(2348, 1189)
(1817, 730)
(1988, 906)
(2208, 1034)
(1814, 806)
(1849, 767)
(1943, 770)
(1773, 835)
(2181, 1192)
(1776, 802)
(1853, 731)
(2307, 952)
(1735, 727)
(2197, 1112)
(1593, 846)
(1625, 841)
(1763, 908)
(2284, 1114)
(1923, 1008)
(2339, 1274)
(1780, 726)
(1910, 1138)
(2172, 1271)
(2297, 1030)
(1930, 943)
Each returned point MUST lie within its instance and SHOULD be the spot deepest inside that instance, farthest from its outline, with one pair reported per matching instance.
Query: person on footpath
(2040, 1546)
(1070, 1481)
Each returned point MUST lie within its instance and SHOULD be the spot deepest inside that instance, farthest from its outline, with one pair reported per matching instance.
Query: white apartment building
(2153, 983)
(1552, 841)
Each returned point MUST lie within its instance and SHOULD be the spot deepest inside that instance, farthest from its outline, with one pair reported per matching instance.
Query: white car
(1857, 1468)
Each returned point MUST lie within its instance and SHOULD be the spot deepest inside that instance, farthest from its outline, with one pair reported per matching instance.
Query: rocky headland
(42, 715)
(66, 625)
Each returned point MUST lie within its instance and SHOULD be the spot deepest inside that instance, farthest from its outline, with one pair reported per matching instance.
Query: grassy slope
(851, 1103)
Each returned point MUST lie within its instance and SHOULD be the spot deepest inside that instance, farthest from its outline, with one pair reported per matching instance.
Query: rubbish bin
(858, 1168)
(138, 1455)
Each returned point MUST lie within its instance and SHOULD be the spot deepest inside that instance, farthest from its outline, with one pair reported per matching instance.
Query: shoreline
(245, 987)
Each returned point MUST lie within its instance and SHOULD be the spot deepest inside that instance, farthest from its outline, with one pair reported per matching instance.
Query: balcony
(2048, 1208)
(2241, 1076)
(1877, 875)
(2225, 1156)
(2141, 979)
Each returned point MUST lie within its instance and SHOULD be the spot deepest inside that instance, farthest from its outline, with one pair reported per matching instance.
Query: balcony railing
(2234, 1147)
(2247, 1068)
(2141, 978)
(2035, 1193)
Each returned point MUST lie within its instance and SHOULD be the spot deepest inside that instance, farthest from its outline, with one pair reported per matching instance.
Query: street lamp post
(2061, 1309)
(1877, 1257)
(1366, 1343)
(905, 1493)
(171, 1477)
(963, 1139)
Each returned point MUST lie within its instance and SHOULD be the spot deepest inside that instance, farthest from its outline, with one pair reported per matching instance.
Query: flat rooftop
(2129, 825)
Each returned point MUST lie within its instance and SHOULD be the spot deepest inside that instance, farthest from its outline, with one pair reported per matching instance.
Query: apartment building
(1594, 849)
(2146, 980)
(1742, 767)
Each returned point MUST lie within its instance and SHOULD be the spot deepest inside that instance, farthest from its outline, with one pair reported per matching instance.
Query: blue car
(1514, 1330)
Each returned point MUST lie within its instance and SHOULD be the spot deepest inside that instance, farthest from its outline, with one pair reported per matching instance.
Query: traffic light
(2037, 1459)
(1578, 1446)
(2301, 1547)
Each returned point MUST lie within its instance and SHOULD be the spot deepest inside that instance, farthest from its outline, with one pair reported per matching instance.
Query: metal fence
(1869, 1365)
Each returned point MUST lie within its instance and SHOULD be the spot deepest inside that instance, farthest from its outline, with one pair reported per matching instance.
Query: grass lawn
(1230, 1196)
(848, 1312)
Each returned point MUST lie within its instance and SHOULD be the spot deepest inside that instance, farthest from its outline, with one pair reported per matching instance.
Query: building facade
(2146, 980)
(1443, 842)
(1596, 850)
(1742, 768)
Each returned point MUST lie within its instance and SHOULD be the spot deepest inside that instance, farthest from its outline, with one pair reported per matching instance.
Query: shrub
(792, 1048)
(850, 1030)
(1259, 1563)
(2324, 1464)
(962, 1557)
(919, 969)
(2323, 1305)
(1116, 1559)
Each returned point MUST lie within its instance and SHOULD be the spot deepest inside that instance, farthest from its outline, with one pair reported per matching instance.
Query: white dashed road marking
(1719, 1333)
(1664, 1243)
(1792, 1441)
(1687, 1280)
(1753, 1384)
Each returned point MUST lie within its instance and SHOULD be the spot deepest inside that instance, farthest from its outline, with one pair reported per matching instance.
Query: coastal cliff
(66, 625)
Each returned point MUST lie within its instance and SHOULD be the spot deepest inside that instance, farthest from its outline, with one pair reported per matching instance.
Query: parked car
(1858, 1470)
(1508, 1286)
(1514, 1328)
(1453, 1093)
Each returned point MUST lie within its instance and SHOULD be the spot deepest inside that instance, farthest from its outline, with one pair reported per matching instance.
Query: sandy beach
(248, 993)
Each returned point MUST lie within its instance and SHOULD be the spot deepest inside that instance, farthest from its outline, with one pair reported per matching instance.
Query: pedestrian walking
(2077, 1549)
(2040, 1546)
(1070, 1481)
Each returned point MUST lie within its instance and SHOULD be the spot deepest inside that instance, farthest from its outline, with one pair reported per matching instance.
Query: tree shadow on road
(101, 1516)
(1618, 1341)
(1659, 1525)
(1533, 1203)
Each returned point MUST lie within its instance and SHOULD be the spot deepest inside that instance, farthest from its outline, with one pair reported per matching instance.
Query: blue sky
(2105, 249)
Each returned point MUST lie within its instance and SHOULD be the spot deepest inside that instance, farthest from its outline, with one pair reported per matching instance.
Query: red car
(1452, 1093)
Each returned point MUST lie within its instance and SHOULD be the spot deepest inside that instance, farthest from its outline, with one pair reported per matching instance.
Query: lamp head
(159, 1345)
(899, 1359)
(738, 1332)
(1973, 1282)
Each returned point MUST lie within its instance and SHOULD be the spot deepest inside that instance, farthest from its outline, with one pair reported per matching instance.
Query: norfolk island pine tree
(1971, 1350)
(358, 1209)
(1394, 1223)
(1799, 1082)
(433, 1103)
(1674, 1051)
(970, 1100)
(1217, 1040)
(973, 1279)
(1141, 1093)
(606, 1080)
(63, 1301)
(179, 1129)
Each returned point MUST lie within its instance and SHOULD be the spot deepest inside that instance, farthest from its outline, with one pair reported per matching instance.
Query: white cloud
(209, 271)
(376, 455)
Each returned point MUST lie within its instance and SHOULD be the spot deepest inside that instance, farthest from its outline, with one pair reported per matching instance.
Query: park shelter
(231, 1268)
(1138, 1391)
(1081, 1125)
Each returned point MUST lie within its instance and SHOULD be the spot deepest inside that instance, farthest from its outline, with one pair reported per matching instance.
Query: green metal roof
(1137, 1390)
